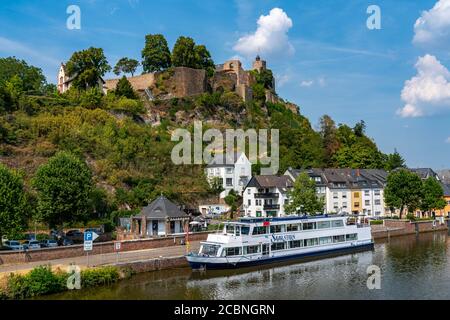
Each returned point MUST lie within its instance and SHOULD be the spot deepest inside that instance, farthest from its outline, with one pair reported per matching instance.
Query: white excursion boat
(253, 241)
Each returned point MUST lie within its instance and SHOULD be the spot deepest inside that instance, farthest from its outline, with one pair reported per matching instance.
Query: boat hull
(197, 263)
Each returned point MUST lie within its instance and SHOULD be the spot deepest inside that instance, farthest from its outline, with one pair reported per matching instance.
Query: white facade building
(234, 176)
(265, 196)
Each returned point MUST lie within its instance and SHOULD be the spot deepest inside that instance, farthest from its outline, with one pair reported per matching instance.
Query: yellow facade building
(356, 201)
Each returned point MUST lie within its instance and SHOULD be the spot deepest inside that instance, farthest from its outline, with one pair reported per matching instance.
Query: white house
(234, 174)
(358, 191)
(65, 82)
(265, 196)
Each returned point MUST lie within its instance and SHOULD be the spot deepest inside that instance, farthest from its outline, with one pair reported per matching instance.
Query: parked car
(13, 245)
(75, 235)
(64, 242)
(49, 243)
(31, 245)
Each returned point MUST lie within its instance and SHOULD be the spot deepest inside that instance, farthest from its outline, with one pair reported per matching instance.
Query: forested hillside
(130, 159)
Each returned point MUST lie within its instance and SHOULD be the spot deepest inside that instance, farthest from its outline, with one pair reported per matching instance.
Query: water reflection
(412, 267)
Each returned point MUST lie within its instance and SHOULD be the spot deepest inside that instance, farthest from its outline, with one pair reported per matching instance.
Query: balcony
(271, 207)
(267, 195)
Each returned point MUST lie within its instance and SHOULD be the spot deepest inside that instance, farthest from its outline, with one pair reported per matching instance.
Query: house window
(249, 202)
(344, 205)
(356, 194)
(377, 202)
(356, 204)
(229, 182)
(367, 202)
(211, 172)
(229, 170)
(336, 205)
(335, 195)
(317, 179)
(366, 193)
(344, 195)
(377, 192)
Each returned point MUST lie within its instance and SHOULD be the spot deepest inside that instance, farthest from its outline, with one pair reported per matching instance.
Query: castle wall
(189, 82)
(139, 83)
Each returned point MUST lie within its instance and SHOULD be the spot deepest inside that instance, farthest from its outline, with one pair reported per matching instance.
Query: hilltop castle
(183, 82)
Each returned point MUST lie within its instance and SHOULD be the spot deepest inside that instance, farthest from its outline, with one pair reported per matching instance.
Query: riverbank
(396, 228)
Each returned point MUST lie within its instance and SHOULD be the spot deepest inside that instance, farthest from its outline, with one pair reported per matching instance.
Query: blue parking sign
(88, 236)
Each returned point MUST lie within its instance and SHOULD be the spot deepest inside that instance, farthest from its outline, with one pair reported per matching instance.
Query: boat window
(259, 230)
(338, 238)
(351, 237)
(309, 226)
(245, 230)
(325, 240)
(292, 227)
(296, 244)
(311, 242)
(230, 229)
(278, 246)
(323, 224)
(276, 229)
(252, 249)
(337, 223)
(233, 251)
(238, 231)
(209, 249)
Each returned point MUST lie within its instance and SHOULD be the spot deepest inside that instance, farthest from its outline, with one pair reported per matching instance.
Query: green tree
(303, 197)
(394, 161)
(124, 89)
(328, 132)
(432, 195)
(265, 78)
(232, 200)
(12, 203)
(126, 65)
(216, 185)
(204, 60)
(87, 67)
(156, 53)
(360, 128)
(183, 53)
(403, 190)
(64, 186)
(32, 78)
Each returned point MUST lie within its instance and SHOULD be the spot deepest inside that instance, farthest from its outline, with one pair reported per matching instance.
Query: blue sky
(325, 58)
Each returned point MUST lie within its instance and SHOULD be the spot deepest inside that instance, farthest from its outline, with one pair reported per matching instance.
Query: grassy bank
(43, 280)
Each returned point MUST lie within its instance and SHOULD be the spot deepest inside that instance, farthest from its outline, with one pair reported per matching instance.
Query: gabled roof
(446, 188)
(424, 173)
(162, 208)
(221, 160)
(270, 181)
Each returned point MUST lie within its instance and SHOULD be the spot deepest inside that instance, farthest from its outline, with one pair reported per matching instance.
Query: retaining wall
(11, 257)
(393, 228)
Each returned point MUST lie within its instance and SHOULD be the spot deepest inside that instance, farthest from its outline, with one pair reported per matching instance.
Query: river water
(412, 267)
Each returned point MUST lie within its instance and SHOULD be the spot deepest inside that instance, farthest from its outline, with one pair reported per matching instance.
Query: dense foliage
(303, 197)
(405, 190)
(87, 67)
(156, 53)
(13, 203)
(64, 186)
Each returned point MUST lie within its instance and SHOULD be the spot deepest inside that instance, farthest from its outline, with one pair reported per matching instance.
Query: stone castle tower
(259, 64)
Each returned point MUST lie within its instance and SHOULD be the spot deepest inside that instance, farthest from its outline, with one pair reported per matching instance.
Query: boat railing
(363, 225)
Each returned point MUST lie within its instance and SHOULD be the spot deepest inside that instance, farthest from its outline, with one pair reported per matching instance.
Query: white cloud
(270, 37)
(433, 26)
(429, 91)
(306, 83)
(282, 79)
(309, 83)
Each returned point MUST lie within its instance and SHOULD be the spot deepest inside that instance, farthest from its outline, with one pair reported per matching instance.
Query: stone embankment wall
(392, 228)
(10, 257)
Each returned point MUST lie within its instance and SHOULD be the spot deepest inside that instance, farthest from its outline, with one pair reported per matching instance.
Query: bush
(101, 276)
(39, 281)
(376, 222)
